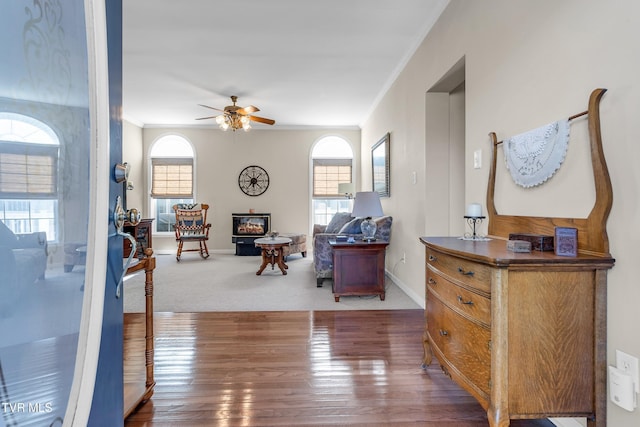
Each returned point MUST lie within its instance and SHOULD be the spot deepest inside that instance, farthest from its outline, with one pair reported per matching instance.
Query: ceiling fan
(235, 117)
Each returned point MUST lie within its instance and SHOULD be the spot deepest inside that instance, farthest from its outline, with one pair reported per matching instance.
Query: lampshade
(347, 188)
(367, 205)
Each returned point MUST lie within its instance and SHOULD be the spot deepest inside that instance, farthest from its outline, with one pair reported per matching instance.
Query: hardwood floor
(347, 368)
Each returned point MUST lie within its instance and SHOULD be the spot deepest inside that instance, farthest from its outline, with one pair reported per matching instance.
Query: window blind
(172, 178)
(327, 174)
(28, 171)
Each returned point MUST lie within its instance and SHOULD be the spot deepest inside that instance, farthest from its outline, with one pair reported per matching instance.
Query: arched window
(332, 159)
(171, 159)
(29, 152)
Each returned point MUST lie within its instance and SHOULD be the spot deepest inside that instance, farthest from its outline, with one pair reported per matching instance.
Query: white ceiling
(303, 63)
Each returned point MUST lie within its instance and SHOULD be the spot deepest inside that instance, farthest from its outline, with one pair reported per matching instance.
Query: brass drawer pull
(465, 273)
(432, 258)
(462, 301)
(444, 333)
(432, 282)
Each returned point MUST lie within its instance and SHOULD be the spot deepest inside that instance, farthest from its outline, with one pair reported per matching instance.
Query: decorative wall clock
(253, 180)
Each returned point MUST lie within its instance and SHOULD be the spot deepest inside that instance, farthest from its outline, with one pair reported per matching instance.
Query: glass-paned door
(45, 145)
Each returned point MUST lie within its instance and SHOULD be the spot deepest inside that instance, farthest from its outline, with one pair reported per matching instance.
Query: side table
(358, 268)
(143, 235)
(272, 248)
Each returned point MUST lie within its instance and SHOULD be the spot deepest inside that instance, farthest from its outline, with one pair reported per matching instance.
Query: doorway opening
(445, 152)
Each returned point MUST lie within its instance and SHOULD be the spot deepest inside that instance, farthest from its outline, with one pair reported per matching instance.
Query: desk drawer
(472, 274)
(469, 304)
(464, 344)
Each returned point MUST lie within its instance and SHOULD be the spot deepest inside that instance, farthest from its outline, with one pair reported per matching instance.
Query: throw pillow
(384, 227)
(188, 206)
(352, 227)
(7, 238)
(337, 222)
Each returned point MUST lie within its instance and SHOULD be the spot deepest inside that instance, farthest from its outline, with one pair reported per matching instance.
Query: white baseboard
(419, 299)
(566, 422)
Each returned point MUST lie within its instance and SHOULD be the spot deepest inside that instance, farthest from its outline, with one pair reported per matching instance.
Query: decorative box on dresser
(525, 333)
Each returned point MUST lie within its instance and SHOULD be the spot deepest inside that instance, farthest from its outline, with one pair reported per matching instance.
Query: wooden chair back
(191, 221)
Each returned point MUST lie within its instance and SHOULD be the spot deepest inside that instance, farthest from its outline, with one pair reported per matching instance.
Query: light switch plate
(621, 390)
(477, 159)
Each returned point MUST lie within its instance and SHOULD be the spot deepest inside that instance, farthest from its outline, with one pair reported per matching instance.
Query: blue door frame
(107, 407)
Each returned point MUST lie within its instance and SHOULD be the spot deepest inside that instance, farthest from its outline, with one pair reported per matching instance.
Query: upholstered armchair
(343, 224)
(23, 261)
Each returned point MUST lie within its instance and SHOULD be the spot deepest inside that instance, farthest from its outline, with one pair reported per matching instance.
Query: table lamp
(367, 205)
(347, 188)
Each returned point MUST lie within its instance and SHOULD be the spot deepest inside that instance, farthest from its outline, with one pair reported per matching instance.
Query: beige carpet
(225, 282)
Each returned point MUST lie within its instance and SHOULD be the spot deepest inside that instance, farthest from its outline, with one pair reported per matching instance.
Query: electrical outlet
(629, 365)
(404, 257)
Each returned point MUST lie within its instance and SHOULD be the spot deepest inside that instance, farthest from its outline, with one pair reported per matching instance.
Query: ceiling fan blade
(248, 110)
(203, 118)
(213, 108)
(262, 120)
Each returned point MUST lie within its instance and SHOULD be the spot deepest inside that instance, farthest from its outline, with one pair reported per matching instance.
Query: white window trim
(354, 168)
(151, 204)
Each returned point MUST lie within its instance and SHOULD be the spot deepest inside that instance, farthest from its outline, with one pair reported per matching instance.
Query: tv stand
(245, 246)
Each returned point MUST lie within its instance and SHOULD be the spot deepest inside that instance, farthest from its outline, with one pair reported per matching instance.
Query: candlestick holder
(474, 221)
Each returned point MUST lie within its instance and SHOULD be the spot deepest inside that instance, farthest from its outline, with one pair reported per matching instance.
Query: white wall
(527, 63)
(220, 156)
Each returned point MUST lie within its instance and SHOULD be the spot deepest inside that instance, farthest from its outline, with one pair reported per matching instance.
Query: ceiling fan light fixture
(236, 117)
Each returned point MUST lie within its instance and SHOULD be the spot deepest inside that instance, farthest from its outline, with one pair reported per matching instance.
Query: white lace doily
(533, 157)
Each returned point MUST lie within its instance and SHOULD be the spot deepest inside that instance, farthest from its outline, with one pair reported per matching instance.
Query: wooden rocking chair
(191, 226)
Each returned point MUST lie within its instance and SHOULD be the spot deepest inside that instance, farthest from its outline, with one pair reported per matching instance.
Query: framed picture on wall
(380, 166)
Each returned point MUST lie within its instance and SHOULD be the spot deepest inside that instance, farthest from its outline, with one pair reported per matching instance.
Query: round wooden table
(272, 252)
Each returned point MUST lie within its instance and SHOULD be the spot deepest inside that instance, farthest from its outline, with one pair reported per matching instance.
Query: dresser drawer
(472, 274)
(464, 344)
(469, 304)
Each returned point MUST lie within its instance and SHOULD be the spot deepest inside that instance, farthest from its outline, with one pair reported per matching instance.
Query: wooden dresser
(525, 333)
(520, 332)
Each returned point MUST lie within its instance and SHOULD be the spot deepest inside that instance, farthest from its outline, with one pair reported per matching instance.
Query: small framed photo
(566, 241)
